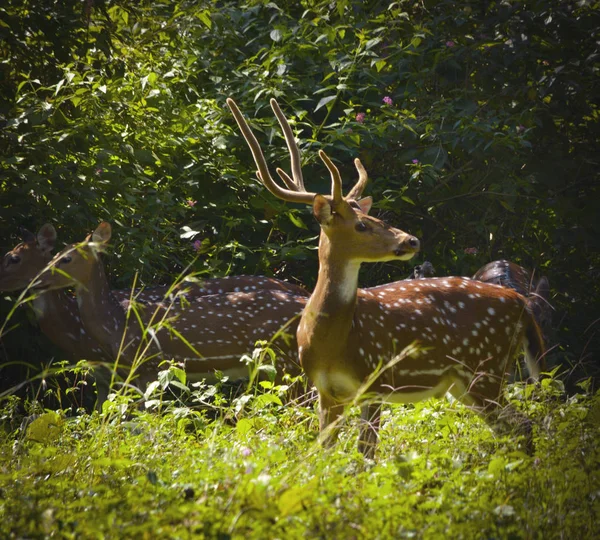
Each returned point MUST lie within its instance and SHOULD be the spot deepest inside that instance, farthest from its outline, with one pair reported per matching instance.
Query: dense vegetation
(478, 124)
(440, 474)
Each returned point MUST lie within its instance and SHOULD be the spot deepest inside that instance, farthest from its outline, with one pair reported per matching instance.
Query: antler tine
(298, 180)
(336, 179)
(286, 178)
(360, 185)
(259, 159)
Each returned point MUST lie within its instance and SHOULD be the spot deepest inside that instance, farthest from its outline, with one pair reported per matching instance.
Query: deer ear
(543, 288)
(46, 237)
(102, 233)
(365, 204)
(322, 210)
(27, 236)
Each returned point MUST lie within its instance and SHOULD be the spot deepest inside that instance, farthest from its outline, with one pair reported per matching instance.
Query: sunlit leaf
(324, 101)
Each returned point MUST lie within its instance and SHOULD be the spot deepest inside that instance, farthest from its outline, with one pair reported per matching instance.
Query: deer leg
(102, 379)
(369, 429)
(502, 417)
(330, 412)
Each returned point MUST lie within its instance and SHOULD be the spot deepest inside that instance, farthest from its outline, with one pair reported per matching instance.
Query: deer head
(74, 265)
(347, 228)
(23, 263)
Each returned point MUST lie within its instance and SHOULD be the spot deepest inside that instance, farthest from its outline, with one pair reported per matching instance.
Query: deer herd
(400, 342)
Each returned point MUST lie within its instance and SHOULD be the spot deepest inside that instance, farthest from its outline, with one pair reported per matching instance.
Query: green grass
(255, 469)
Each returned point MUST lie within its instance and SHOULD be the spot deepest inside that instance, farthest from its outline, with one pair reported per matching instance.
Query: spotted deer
(58, 314)
(56, 311)
(401, 342)
(509, 274)
(421, 271)
(207, 332)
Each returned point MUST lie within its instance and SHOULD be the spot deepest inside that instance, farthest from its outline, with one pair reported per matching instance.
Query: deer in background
(509, 274)
(207, 332)
(421, 271)
(58, 313)
(401, 342)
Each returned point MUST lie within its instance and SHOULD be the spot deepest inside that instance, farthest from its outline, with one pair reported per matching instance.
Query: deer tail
(535, 348)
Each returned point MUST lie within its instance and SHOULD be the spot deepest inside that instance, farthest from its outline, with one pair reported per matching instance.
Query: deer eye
(361, 226)
(14, 259)
(66, 259)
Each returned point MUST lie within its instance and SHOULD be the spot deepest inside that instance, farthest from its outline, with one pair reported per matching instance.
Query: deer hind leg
(330, 414)
(102, 379)
(369, 429)
(501, 416)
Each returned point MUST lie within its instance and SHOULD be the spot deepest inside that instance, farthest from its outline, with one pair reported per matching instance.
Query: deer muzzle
(409, 245)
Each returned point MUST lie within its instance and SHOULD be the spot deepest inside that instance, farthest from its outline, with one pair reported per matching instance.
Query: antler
(360, 185)
(296, 191)
(336, 179)
(298, 182)
(263, 170)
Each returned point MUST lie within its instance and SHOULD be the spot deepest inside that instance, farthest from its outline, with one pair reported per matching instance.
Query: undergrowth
(205, 464)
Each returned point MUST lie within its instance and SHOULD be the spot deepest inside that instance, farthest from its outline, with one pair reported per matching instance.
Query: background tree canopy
(478, 123)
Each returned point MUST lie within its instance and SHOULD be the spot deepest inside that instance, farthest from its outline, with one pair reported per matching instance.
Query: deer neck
(330, 309)
(52, 304)
(100, 312)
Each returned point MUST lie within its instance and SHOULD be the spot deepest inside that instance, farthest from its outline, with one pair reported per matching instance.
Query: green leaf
(324, 101)
(371, 43)
(59, 86)
(276, 35)
(244, 426)
(179, 373)
(204, 16)
(297, 221)
(45, 428)
(296, 498)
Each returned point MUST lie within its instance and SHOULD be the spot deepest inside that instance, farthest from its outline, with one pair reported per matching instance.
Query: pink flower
(415, 161)
(360, 117)
(197, 245)
(388, 100)
(520, 128)
(246, 451)
(99, 172)
(191, 203)
(471, 251)
(450, 43)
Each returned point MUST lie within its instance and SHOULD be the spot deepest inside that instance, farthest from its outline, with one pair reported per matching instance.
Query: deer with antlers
(464, 334)
(224, 318)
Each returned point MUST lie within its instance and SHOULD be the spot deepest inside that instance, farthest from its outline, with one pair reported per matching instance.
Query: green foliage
(260, 473)
(478, 125)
